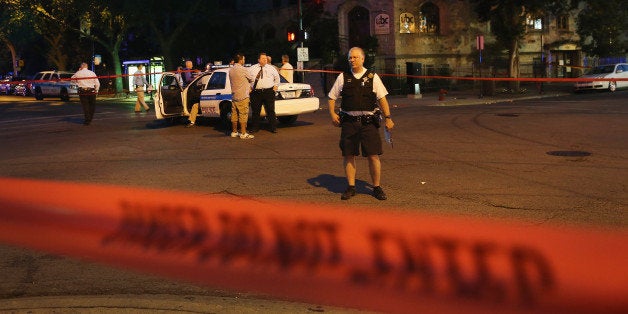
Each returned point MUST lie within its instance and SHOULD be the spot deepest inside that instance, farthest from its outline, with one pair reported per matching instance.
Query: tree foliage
(603, 28)
(179, 28)
(15, 32)
(508, 21)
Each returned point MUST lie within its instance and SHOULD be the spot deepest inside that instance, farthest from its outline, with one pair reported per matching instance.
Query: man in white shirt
(88, 86)
(266, 81)
(287, 71)
(140, 81)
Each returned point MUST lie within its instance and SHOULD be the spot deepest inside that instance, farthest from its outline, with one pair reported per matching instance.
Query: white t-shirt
(378, 86)
(287, 71)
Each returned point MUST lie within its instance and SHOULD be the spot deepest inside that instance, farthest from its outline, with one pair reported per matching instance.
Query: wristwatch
(387, 117)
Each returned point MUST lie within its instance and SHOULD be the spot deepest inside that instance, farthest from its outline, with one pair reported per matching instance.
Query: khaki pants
(193, 113)
(140, 99)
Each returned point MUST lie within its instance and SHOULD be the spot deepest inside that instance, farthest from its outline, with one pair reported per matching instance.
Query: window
(429, 19)
(562, 22)
(217, 81)
(359, 27)
(534, 23)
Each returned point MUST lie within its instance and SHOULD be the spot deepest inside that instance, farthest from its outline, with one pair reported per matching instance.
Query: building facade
(439, 36)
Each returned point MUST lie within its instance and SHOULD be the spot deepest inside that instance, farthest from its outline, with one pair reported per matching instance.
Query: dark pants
(266, 98)
(88, 101)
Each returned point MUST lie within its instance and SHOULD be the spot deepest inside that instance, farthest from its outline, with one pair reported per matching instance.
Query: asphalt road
(544, 161)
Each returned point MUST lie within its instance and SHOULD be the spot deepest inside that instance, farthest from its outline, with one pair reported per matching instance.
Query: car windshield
(603, 69)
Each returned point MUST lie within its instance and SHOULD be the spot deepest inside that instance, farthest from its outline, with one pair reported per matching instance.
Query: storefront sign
(406, 23)
(382, 24)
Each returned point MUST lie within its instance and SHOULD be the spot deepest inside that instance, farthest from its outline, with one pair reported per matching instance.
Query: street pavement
(194, 299)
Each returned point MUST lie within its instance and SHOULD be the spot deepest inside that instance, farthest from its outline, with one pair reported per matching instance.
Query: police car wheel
(38, 94)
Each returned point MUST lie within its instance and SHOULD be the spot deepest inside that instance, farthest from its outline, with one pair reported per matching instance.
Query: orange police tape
(375, 260)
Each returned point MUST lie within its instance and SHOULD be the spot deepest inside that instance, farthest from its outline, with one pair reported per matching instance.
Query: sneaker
(246, 136)
(379, 193)
(189, 125)
(235, 134)
(348, 193)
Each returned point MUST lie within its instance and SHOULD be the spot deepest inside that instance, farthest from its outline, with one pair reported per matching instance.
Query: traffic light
(292, 36)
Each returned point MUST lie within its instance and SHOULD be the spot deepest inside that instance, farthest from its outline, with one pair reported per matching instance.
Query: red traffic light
(292, 36)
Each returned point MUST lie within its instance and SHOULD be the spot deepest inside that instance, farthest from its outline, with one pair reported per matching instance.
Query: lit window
(428, 20)
(534, 23)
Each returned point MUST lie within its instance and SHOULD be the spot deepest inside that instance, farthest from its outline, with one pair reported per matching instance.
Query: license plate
(288, 95)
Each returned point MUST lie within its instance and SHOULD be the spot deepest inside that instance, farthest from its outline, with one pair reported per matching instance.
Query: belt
(363, 118)
(263, 89)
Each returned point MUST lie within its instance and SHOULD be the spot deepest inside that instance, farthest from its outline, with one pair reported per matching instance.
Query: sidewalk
(471, 97)
(160, 303)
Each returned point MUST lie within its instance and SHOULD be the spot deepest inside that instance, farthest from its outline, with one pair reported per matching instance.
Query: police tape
(359, 258)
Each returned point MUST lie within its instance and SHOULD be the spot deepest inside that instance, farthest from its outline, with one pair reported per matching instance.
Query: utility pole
(301, 35)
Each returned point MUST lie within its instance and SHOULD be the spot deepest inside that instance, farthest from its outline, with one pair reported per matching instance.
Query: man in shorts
(241, 80)
(363, 101)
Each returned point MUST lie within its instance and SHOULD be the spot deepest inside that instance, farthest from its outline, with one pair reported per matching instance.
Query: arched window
(428, 20)
(359, 26)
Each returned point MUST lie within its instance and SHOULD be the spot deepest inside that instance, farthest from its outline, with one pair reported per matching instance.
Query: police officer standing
(88, 86)
(359, 119)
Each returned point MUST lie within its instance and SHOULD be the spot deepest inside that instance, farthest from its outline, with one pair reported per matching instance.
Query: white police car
(608, 71)
(212, 90)
(54, 84)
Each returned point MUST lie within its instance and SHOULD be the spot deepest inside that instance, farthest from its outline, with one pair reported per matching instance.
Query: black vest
(357, 94)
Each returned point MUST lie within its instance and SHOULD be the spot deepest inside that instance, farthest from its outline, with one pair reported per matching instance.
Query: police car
(212, 90)
(54, 84)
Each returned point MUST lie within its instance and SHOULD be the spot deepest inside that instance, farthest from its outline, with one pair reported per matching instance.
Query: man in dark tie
(263, 93)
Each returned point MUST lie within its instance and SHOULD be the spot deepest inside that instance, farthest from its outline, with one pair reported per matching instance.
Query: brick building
(438, 36)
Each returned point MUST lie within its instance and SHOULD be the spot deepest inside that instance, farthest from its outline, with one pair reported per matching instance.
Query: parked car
(608, 71)
(23, 88)
(213, 91)
(7, 86)
(3, 85)
(54, 84)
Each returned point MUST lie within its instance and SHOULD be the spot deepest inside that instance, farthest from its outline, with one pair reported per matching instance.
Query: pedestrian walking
(363, 103)
(88, 86)
(263, 93)
(140, 81)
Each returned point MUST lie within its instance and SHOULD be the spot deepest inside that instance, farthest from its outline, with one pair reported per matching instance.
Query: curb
(165, 303)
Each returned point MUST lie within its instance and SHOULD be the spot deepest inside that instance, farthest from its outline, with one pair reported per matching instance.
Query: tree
(508, 22)
(58, 35)
(601, 25)
(168, 21)
(14, 29)
(104, 22)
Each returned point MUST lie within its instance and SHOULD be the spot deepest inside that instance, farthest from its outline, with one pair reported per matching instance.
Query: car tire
(64, 95)
(288, 119)
(612, 86)
(38, 94)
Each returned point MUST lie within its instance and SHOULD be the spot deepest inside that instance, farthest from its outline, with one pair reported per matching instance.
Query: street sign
(302, 54)
(479, 42)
